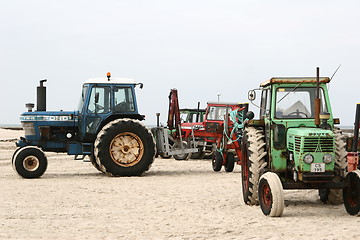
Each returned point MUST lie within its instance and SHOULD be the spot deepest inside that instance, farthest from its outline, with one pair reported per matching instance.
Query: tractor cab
(103, 100)
(293, 100)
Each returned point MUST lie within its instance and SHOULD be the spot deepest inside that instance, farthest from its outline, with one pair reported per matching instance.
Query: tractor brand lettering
(47, 118)
(198, 126)
(195, 127)
(319, 134)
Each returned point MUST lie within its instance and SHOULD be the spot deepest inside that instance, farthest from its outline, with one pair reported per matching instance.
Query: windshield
(217, 112)
(82, 98)
(297, 102)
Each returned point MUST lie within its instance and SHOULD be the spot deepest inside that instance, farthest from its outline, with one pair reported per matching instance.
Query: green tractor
(294, 145)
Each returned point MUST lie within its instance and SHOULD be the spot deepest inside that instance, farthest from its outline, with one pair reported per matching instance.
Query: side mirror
(97, 97)
(249, 115)
(141, 85)
(251, 95)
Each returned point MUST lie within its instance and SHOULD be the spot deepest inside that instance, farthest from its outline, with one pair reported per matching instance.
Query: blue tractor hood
(48, 125)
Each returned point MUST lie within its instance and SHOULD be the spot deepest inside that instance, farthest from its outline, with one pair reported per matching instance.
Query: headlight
(327, 158)
(28, 128)
(308, 158)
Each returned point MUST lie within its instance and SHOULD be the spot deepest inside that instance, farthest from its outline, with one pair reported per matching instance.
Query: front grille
(291, 146)
(314, 144)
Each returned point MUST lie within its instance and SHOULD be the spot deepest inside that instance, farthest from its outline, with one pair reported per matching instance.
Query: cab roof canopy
(294, 80)
(112, 80)
(224, 103)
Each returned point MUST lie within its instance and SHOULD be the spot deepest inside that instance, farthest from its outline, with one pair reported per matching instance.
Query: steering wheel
(98, 107)
(297, 114)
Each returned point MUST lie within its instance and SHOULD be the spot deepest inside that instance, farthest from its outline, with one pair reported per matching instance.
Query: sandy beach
(173, 200)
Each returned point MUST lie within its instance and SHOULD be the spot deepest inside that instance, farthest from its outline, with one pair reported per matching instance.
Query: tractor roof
(223, 103)
(294, 80)
(112, 80)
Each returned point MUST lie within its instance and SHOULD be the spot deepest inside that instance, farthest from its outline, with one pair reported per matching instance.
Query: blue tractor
(106, 128)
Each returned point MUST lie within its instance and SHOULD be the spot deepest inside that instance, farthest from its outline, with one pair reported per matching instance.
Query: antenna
(335, 72)
(334, 75)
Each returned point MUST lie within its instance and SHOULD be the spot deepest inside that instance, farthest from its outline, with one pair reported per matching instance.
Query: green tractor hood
(316, 142)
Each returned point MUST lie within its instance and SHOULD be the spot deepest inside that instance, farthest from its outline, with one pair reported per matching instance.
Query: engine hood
(310, 132)
(53, 116)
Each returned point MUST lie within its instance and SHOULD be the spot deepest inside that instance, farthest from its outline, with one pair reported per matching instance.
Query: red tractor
(208, 132)
(207, 135)
(215, 136)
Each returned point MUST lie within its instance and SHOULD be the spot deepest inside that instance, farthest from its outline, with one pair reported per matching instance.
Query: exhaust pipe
(41, 96)
(317, 98)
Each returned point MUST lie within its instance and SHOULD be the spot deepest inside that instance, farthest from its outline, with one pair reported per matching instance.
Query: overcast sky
(202, 48)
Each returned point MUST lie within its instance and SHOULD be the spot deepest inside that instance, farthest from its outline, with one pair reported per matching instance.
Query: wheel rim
(126, 149)
(266, 195)
(31, 163)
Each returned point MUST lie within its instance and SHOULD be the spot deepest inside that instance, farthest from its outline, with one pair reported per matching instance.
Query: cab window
(124, 101)
(99, 100)
(297, 102)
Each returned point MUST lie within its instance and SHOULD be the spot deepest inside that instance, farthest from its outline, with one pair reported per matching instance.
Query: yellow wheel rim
(31, 163)
(126, 149)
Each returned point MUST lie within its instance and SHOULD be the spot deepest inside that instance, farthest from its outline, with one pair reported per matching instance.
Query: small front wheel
(30, 162)
(271, 195)
(230, 162)
(217, 161)
(351, 193)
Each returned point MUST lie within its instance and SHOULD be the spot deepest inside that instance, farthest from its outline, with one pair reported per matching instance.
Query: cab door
(95, 110)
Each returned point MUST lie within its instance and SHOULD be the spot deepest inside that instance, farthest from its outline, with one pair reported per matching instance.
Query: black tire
(217, 161)
(124, 147)
(230, 162)
(271, 195)
(165, 156)
(198, 155)
(351, 193)
(95, 164)
(323, 194)
(253, 160)
(30, 162)
(13, 157)
(180, 157)
(335, 195)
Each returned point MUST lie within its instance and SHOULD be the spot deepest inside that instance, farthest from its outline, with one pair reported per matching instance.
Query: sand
(174, 200)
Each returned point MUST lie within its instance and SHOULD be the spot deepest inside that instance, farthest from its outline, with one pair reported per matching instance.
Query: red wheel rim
(266, 195)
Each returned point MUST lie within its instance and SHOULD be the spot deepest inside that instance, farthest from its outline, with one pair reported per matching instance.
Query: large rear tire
(351, 193)
(271, 195)
(334, 196)
(124, 147)
(29, 162)
(95, 164)
(253, 149)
